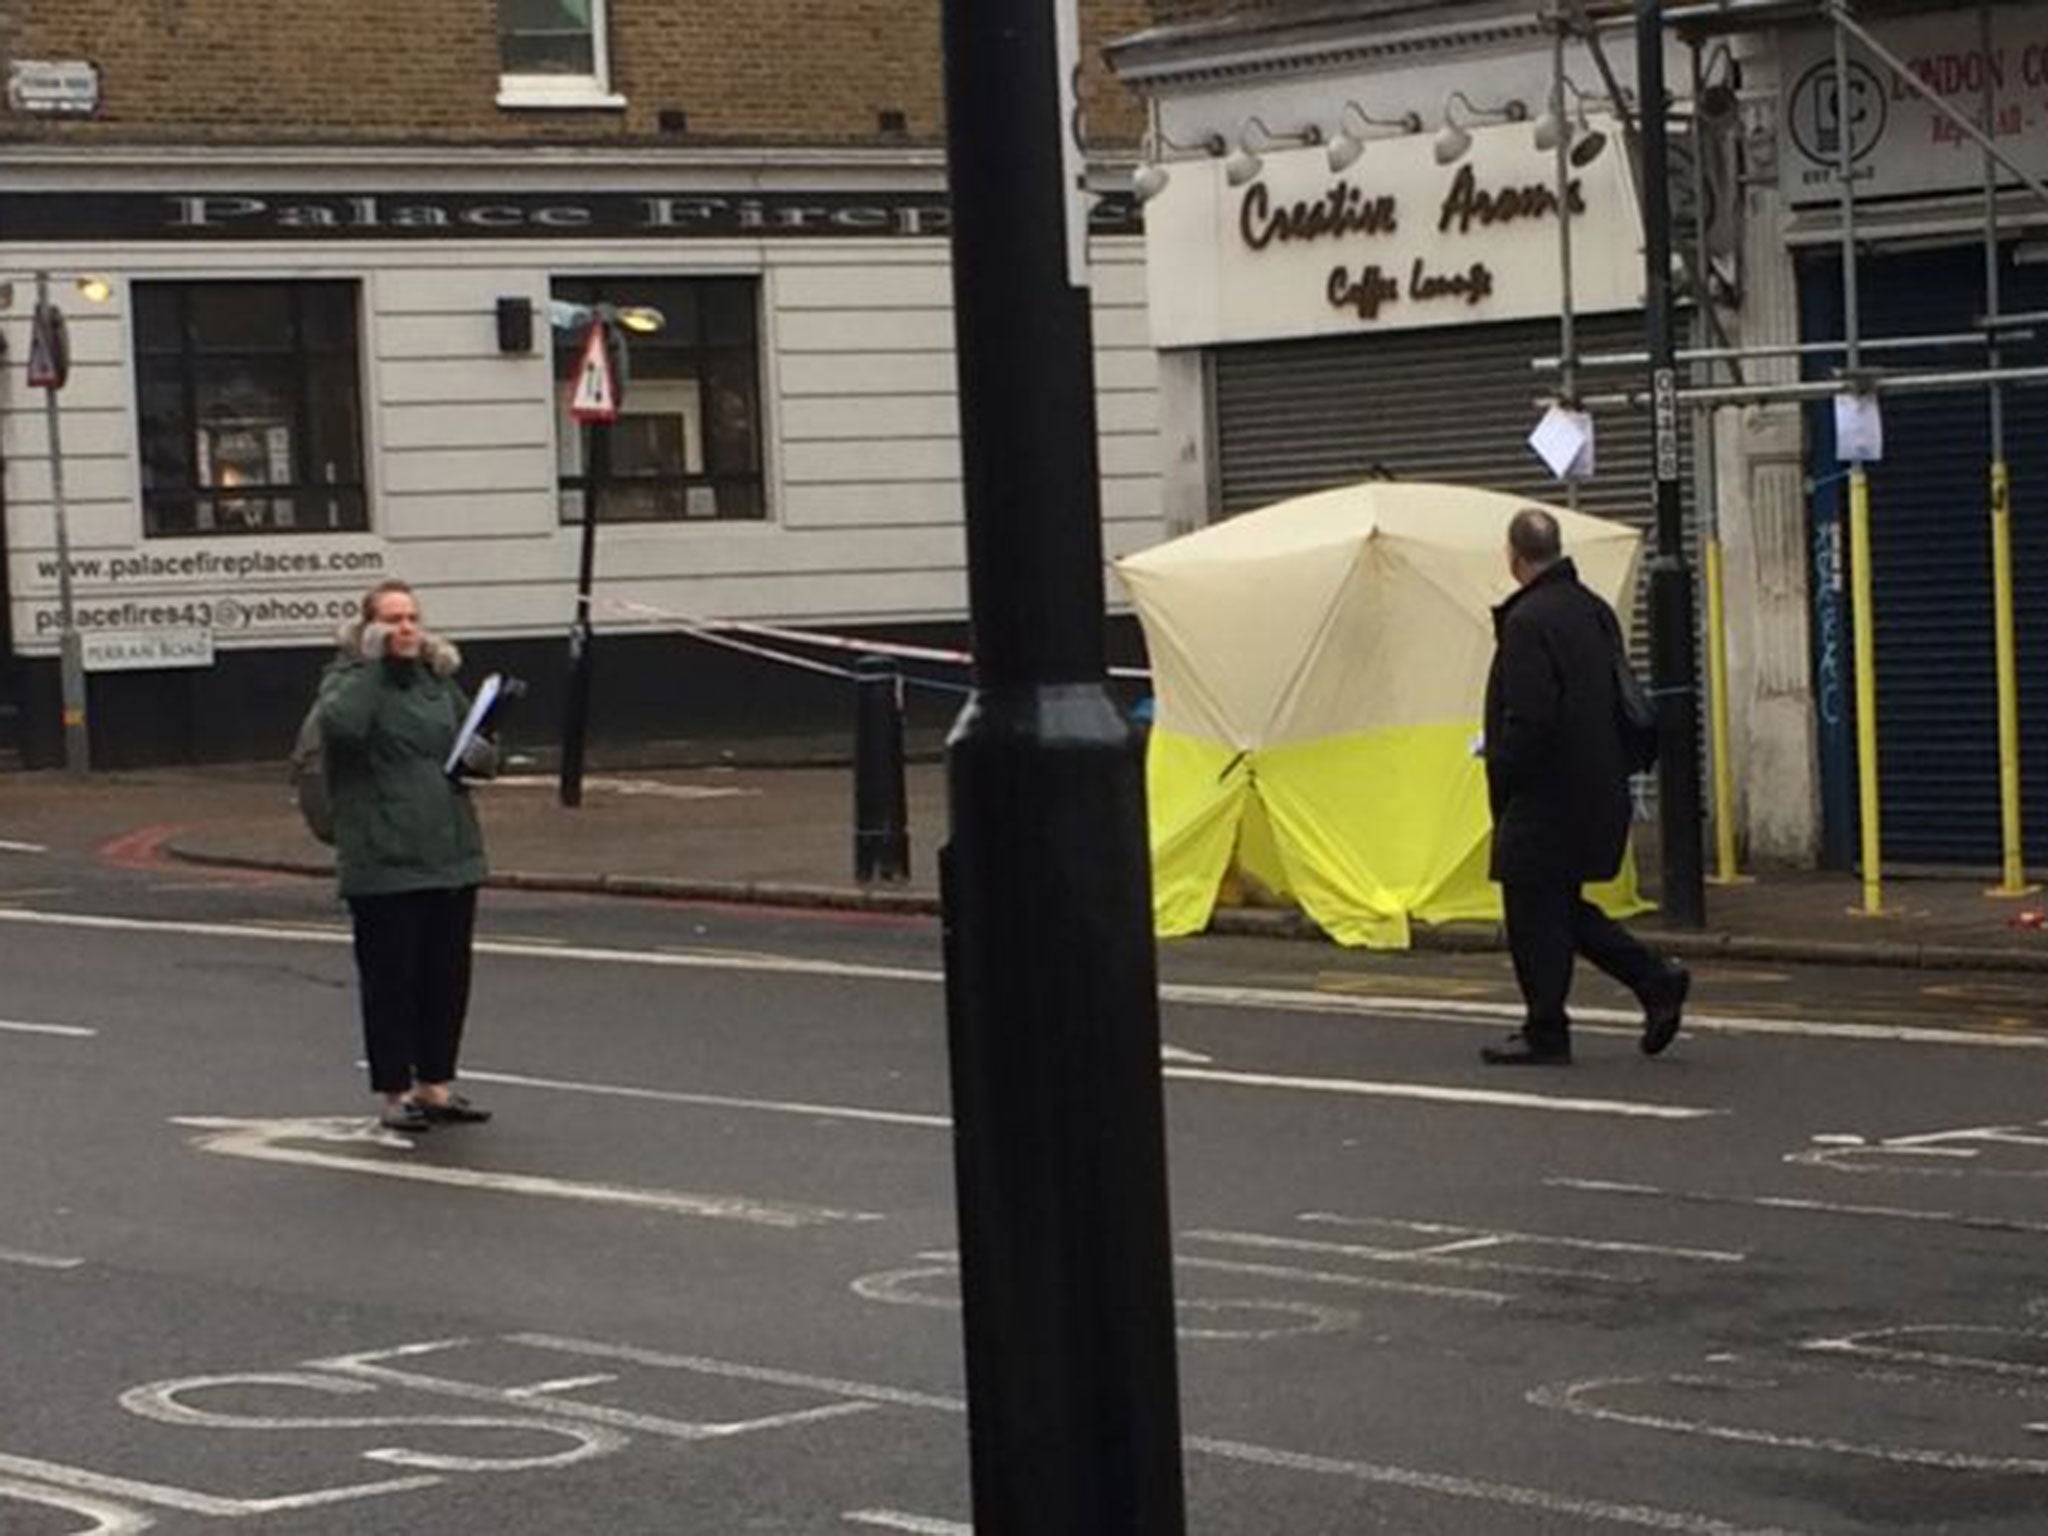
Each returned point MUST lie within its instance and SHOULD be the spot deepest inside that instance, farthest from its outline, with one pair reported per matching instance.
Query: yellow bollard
(1866, 690)
(2012, 863)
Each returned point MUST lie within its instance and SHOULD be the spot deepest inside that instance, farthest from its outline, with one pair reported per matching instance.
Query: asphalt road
(698, 1275)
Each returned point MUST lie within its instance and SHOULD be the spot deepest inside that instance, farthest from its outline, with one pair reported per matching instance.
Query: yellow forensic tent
(1319, 671)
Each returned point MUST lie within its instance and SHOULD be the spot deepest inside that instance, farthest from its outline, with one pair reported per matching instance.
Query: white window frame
(568, 92)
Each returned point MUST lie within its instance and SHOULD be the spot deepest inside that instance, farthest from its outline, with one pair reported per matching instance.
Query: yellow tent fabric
(1319, 670)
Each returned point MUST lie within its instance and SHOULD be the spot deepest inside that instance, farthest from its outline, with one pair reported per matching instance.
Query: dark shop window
(687, 445)
(251, 408)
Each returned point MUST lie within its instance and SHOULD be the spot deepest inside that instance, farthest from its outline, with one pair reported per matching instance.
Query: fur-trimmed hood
(442, 657)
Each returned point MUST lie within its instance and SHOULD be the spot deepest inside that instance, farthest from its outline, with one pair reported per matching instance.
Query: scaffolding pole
(1864, 625)
(1567, 344)
(1706, 471)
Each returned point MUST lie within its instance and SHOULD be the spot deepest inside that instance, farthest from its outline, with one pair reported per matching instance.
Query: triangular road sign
(596, 398)
(49, 356)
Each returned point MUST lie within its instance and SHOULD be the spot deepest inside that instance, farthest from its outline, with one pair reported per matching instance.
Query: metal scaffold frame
(1854, 376)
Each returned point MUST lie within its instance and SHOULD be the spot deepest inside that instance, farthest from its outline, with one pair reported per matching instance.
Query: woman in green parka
(408, 851)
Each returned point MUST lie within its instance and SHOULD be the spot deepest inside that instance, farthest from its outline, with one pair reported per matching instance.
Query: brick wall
(769, 71)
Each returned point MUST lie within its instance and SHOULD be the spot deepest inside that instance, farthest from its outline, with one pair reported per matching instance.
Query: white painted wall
(861, 439)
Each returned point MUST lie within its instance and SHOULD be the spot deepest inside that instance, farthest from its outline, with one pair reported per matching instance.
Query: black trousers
(412, 961)
(1550, 923)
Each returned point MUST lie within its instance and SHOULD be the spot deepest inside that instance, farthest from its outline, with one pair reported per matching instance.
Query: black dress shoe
(1518, 1050)
(1664, 1009)
(456, 1110)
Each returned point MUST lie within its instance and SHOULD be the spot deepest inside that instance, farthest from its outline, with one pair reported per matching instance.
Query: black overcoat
(1556, 774)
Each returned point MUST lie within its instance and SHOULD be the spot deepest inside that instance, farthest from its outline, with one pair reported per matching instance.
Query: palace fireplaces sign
(1394, 242)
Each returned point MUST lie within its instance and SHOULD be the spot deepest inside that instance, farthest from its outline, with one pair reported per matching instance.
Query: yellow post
(2012, 863)
(1717, 712)
(1866, 688)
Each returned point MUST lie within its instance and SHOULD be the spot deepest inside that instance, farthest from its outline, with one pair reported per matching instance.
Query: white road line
(1570, 1399)
(109, 1519)
(1619, 1020)
(37, 1260)
(1642, 1517)
(68, 1031)
(1434, 1093)
(611, 1419)
(1791, 1203)
(1259, 999)
(1348, 1281)
(260, 1141)
(192, 1502)
(8, 845)
(918, 1525)
(1508, 1235)
(563, 1384)
(712, 1100)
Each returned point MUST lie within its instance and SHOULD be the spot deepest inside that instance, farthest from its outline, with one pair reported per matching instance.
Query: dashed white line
(1436, 1093)
(917, 1525)
(37, 1260)
(67, 1031)
(8, 845)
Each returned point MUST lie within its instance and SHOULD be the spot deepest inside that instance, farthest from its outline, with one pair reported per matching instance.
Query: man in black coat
(1557, 777)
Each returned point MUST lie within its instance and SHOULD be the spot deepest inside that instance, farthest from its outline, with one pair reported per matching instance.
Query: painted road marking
(108, 1519)
(713, 1100)
(1792, 1203)
(901, 1287)
(1926, 1153)
(917, 1525)
(1348, 1281)
(67, 1031)
(1574, 1399)
(1273, 1000)
(162, 1495)
(1468, 1237)
(1865, 1346)
(37, 1260)
(1428, 1092)
(1495, 1098)
(1463, 1254)
(265, 1141)
(1446, 1485)
(8, 845)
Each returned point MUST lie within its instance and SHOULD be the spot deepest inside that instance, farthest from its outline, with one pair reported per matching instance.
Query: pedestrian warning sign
(49, 350)
(596, 399)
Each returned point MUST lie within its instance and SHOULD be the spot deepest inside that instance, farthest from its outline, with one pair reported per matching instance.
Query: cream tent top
(1364, 607)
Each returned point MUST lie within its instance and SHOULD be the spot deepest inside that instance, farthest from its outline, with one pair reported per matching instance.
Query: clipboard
(480, 712)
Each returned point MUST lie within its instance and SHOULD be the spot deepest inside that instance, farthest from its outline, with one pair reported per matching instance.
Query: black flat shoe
(1666, 1009)
(1518, 1050)
(405, 1116)
(457, 1111)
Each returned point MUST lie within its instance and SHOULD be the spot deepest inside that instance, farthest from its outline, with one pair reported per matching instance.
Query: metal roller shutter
(1937, 701)
(1451, 404)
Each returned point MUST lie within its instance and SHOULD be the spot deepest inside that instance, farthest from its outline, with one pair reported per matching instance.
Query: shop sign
(1396, 242)
(200, 214)
(1900, 144)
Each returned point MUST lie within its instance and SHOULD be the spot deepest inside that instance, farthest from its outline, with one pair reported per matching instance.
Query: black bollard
(881, 819)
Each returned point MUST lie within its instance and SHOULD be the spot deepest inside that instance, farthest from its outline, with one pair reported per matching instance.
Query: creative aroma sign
(1394, 242)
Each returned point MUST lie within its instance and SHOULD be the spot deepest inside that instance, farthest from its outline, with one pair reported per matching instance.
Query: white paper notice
(479, 716)
(1563, 439)
(1859, 429)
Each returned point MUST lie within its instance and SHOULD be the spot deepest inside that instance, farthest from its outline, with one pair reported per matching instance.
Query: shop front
(293, 384)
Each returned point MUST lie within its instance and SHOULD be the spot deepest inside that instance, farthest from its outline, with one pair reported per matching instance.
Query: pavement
(782, 836)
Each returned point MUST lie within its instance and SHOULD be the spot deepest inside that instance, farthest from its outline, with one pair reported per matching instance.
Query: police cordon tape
(722, 632)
